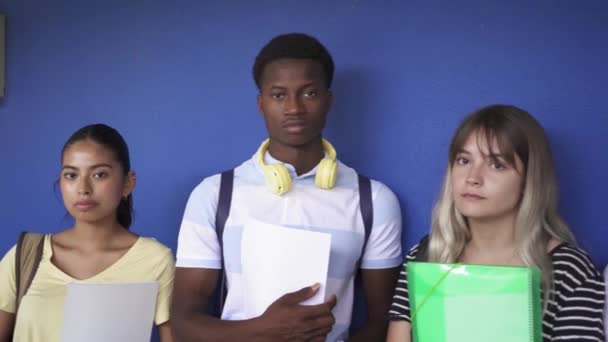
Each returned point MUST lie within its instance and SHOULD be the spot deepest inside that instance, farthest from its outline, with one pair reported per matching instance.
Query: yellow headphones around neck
(278, 178)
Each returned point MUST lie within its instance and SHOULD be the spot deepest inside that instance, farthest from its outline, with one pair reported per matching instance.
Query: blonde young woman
(498, 206)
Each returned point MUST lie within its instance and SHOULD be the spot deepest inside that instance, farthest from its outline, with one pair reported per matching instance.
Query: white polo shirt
(305, 207)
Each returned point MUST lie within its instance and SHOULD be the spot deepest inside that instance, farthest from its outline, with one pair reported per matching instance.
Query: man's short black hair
(293, 45)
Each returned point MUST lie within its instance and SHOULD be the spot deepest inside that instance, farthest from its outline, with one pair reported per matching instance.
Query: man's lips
(295, 126)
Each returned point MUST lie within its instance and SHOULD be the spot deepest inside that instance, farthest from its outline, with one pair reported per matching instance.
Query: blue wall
(174, 77)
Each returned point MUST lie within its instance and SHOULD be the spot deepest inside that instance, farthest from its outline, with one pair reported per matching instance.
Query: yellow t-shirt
(40, 316)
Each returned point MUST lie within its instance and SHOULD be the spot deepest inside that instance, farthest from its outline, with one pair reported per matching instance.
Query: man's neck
(303, 158)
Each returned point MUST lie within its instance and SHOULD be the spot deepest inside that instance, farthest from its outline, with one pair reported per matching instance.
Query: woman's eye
(498, 166)
(462, 161)
(69, 175)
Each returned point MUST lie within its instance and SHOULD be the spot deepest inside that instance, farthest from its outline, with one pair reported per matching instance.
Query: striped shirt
(575, 310)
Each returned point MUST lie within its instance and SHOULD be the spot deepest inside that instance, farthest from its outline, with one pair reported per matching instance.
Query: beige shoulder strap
(27, 258)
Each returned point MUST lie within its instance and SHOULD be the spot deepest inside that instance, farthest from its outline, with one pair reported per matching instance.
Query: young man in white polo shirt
(293, 73)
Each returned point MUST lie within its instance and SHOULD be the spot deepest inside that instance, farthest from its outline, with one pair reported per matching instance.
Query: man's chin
(298, 141)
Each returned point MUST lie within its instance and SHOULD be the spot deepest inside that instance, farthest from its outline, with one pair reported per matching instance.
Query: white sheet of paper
(277, 260)
(101, 312)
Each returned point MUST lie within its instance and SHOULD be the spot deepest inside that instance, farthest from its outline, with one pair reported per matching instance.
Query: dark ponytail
(124, 211)
(109, 138)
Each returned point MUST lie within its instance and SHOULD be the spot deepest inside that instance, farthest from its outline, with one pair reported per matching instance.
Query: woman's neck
(492, 242)
(93, 235)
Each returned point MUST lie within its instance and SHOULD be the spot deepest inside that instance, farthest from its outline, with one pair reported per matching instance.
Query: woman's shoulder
(573, 266)
(153, 246)
(152, 255)
(418, 249)
(9, 256)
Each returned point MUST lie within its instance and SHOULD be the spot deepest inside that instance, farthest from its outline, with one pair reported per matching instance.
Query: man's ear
(330, 100)
(259, 100)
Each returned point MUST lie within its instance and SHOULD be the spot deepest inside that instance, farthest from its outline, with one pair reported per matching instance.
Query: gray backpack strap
(221, 216)
(367, 209)
(27, 258)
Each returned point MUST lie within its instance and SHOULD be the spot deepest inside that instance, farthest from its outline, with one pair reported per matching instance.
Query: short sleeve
(383, 248)
(400, 308)
(575, 309)
(8, 291)
(165, 279)
(197, 244)
(606, 302)
(580, 313)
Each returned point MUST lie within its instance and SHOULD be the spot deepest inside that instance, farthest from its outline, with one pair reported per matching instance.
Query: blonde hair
(516, 133)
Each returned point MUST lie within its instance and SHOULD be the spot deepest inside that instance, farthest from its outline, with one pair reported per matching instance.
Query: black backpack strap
(221, 215)
(423, 249)
(367, 210)
(367, 214)
(223, 205)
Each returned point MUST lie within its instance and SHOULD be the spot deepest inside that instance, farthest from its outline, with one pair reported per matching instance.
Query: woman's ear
(130, 181)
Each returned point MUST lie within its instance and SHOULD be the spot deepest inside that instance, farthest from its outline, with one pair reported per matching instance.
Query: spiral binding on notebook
(535, 310)
(531, 305)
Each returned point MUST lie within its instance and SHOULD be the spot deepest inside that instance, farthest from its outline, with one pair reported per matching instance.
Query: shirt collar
(269, 160)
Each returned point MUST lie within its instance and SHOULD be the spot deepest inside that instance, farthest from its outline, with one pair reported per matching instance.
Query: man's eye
(277, 96)
(310, 93)
(100, 175)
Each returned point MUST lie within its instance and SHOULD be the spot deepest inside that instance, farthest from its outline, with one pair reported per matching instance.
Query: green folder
(474, 303)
